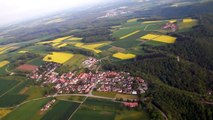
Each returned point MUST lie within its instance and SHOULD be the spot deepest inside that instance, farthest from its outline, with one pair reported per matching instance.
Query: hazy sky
(16, 10)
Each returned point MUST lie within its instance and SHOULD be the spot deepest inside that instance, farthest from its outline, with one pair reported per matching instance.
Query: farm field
(154, 43)
(104, 94)
(130, 34)
(132, 115)
(62, 110)
(31, 108)
(3, 63)
(71, 98)
(36, 62)
(93, 46)
(6, 48)
(125, 97)
(27, 67)
(126, 43)
(4, 112)
(10, 100)
(97, 109)
(19, 88)
(23, 51)
(34, 92)
(2, 70)
(6, 85)
(124, 56)
(72, 64)
(62, 42)
(159, 38)
(58, 40)
(58, 57)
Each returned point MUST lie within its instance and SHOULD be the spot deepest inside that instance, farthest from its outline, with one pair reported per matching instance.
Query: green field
(132, 115)
(127, 97)
(71, 98)
(106, 47)
(36, 61)
(35, 92)
(21, 86)
(11, 100)
(61, 111)
(127, 30)
(2, 70)
(37, 49)
(72, 64)
(104, 94)
(6, 85)
(27, 111)
(97, 109)
(126, 43)
(93, 115)
(154, 43)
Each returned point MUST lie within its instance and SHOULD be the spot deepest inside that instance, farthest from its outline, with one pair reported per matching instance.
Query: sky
(17, 10)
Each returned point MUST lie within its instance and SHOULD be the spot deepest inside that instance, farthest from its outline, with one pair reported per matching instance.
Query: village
(83, 83)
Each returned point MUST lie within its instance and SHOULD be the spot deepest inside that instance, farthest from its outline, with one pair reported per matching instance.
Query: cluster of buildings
(48, 105)
(171, 26)
(120, 82)
(115, 12)
(83, 83)
(90, 62)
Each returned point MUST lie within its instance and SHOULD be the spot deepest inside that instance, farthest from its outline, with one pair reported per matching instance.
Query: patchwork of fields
(131, 39)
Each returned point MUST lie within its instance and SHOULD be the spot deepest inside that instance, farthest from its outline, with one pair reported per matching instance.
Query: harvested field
(4, 112)
(27, 67)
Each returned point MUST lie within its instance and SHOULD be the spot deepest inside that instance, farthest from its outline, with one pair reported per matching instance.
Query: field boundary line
(11, 89)
(77, 109)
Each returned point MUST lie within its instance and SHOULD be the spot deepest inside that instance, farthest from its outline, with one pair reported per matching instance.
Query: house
(130, 104)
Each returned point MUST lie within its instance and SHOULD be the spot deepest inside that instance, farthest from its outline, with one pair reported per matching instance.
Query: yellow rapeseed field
(58, 57)
(130, 34)
(132, 20)
(79, 44)
(58, 40)
(146, 22)
(157, 21)
(22, 51)
(159, 38)
(55, 44)
(75, 38)
(5, 48)
(165, 39)
(94, 47)
(62, 45)
(172, 21)
(188, 20)
(123, 56)
(150, 36)
(3, 63)
(4, 112)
